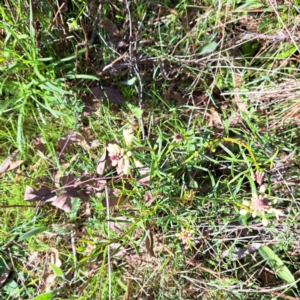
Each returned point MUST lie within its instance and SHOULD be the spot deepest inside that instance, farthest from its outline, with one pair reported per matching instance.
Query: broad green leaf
(210, 47)
(57, 270)
(130, 81)
(291, 49)
(32, 232)
(276, 264)
(46, 296)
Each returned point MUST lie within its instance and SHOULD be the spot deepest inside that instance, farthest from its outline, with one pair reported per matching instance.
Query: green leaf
(46, 296)
(130, 81)
(276, 264)
(32, 232)
(136, 111)
(57, 270)
(210, 47)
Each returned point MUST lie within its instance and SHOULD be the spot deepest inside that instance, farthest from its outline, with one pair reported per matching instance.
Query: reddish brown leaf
(111, 94)
(111, 29)
(39, 144)
(63, 202)
(39, 195)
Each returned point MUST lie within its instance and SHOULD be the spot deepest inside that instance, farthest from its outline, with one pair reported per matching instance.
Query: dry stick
(288, 32)
(108, 246)
(16, 205)
(55, 19)
(280, 37)
(62, 20)
(55, 16)
(86, 42)
(73, 233)
(88, 180)
(134, 67)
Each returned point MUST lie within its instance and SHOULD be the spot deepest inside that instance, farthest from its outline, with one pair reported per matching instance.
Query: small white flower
(243, 212)
(264, 221)
(115, 153)
(138, 164)
(126, 167)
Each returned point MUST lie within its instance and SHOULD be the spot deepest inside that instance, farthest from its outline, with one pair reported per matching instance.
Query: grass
(187, 189)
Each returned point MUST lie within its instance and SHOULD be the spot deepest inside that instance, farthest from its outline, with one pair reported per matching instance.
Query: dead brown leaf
(39, 144)
(101, 163)
(92, 99)
(73, 138)
(110, 94)
(145, 177)
(15, 164)
(114, 198)
(63, 202)
(111, 30)
(39, 195)
(119, 224)
(4, 271)
(6, 163)
(149, 198)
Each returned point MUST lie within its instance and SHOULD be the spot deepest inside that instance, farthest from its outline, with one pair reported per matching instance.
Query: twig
(280, 37)
(86, 42)
(108, 246)
(135, 70)
(73, 233)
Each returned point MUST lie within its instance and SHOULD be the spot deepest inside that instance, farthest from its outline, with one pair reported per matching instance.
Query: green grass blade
(276, 264)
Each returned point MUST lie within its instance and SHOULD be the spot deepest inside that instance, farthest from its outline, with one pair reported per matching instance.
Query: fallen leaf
(94, 144)
(49, 281)
(39, 195)
(119, 224)
(5, 164)
(91, 104)
(110, 94)
(73, 138)
(111, 30)
(63, 202)
(114, 198)
(15, 164)
(39, 144)
(149, 198)
(145, 177)
(101, 163)
(4, 271)
(54, 257)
